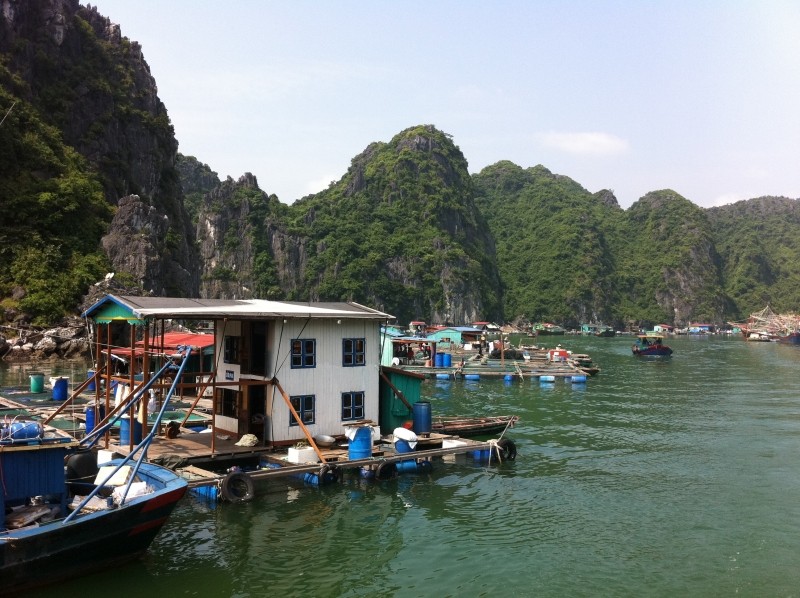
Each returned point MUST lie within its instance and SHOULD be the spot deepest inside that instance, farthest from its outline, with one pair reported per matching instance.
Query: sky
(701, 97)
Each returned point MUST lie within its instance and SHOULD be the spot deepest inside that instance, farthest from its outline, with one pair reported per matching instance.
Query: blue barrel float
(442, 376)
(360, 446)
(472, 377)
(414, 466)
(546, 379)
(579, 379)
(447, 360)
(37, 382)
(125, 430)
(60, 389)
(437, 360)
(92, 416)
(423, 420)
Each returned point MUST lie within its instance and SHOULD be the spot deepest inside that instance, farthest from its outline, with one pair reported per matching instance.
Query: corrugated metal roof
(171, 307)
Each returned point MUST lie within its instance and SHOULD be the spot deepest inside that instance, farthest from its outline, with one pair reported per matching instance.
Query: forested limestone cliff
(91, 182)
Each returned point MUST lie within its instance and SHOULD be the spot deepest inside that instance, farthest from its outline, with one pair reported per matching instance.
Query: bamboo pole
(299, 421)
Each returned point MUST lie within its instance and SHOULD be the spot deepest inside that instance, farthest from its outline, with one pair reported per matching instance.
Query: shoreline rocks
(62, 342)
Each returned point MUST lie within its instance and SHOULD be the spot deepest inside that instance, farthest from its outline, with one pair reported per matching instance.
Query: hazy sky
(702, 97)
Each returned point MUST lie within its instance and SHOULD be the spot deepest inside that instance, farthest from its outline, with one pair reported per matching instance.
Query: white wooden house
(323, 358)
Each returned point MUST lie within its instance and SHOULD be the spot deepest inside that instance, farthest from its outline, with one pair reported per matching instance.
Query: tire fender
(237, 487)
(507, 449)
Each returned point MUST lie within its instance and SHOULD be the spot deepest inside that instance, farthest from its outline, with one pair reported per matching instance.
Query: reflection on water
(656, 477)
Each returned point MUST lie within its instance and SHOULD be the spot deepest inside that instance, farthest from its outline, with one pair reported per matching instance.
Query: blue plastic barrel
(25, 430)
(442, 376)
(447, 360)
(547, 378)
(89, 376)
(60, 389)
(361, 445)
(578, 379)
(437, 360)
(125, 431)
(91, 416)
(37, 383)
(422, 418)
(413, 466)
(508, 377)
(402, 446)
(472, 377)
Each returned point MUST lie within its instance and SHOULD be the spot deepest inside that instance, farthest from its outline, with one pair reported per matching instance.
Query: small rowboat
(472, 426)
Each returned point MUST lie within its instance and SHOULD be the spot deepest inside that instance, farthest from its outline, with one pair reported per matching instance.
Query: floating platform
(384, 462)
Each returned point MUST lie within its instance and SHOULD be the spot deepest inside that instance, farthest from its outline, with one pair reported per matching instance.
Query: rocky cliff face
(225, 239)
(95, 86)
(139, 238)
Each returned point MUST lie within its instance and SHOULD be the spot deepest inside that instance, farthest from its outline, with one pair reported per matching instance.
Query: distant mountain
(91, 182)
(399, 232)
(759, 245)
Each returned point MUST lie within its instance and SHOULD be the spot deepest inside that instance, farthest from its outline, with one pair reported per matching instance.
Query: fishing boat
(548, 329)
(472, 426)
(605, 332)
(40, 546)
(651, 345)
(65, 515)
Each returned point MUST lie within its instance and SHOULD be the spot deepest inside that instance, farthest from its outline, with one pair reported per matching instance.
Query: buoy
(472, 377)
(237, 487)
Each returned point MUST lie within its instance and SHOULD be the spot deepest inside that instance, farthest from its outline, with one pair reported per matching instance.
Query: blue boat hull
(93, 541)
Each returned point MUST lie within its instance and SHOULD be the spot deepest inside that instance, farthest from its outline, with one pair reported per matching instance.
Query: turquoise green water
(676, 477)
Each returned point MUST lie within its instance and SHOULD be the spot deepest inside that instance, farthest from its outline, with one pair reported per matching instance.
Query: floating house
(455, 335)
(487, 327)
(280, 371)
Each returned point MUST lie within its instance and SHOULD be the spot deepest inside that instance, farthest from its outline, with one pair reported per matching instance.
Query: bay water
(657, 477)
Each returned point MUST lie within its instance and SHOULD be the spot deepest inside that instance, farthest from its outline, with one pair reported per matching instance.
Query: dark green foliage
(398, 229)
(552, 250)
(759, 244)
(52, 214)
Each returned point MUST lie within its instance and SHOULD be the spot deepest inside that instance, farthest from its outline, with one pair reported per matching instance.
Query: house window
(304, 406)
(304, 353)
(352, 352)
(352, 405)
(231, 351)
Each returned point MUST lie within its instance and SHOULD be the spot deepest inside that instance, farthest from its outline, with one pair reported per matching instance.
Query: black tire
(329, 473)
(237, 487)
(385, 471)
(507, 448)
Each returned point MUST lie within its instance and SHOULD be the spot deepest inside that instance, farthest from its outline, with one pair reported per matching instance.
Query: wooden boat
(65, 521)
(472, 426)
(41, 543)
(548, 329)
(651, 345)
(605, 332)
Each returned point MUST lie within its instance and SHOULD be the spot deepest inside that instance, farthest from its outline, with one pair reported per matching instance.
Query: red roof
(172, 340)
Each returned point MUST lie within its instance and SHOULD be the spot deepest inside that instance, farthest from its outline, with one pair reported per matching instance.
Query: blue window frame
(305, 407)
(304, 353)
(353, 352)
(353, 405)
